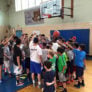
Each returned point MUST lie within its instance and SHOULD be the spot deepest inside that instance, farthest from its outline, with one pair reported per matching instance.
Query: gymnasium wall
(3, 18)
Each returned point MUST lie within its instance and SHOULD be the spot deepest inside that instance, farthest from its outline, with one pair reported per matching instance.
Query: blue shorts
(35, 67)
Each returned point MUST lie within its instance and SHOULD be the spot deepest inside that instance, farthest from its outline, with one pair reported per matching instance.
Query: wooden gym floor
(87, 88)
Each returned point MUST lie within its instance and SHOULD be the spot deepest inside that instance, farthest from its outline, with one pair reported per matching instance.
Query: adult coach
(36, 60)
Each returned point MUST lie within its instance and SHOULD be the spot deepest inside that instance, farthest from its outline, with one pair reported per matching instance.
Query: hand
(20, 67)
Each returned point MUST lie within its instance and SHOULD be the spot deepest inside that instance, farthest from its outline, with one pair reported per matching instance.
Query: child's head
(44, 45)
(60, 50)
(82, 46)
(76, 45)
(18, 41)
(47, 65)
(50, 54)
(35, 40)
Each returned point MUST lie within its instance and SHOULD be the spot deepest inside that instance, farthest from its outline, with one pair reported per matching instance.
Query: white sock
(39, 83)
(33, 81)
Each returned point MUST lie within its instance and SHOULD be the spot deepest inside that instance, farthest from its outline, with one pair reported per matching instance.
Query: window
(25, 4)
(18, 5)
(32, 3)
(45, 0)
(38, 2)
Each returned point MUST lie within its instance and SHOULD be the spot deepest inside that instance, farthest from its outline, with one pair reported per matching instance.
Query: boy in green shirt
(52, 59)
(62, 67)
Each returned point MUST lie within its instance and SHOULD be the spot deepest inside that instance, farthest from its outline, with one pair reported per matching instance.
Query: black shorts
(79, 71)
(1, 61)
(69, 67)
(27, 63)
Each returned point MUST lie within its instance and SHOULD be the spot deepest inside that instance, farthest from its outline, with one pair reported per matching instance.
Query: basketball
(56, 34)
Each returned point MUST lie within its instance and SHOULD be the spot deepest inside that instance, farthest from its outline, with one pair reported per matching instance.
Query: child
(7, 58)
(70, 55)
(80, 55)
(44, 52)
(27, 59)
(52, 59)
(62, 68)
(49, 78)
(17, 59)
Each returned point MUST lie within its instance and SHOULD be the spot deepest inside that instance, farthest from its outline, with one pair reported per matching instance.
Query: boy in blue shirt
(80, 56)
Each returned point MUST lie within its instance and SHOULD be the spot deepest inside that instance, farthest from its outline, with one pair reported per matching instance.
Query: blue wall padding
(83, 36)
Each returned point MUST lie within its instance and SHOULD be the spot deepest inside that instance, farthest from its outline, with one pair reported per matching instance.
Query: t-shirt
(53, 60)
(55, 47)
(27, 51)
(61, 63)
(49, 77)
(17, 52)
(7, 52)
(79, 57)
(65, 56)
(44, 54)
(70, 55)
(1, 50)
(35, 52)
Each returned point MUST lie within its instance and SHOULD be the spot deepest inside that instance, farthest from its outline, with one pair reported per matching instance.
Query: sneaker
(68, 82)
(0, 81)
(77, 86)
(39, 86)
(82, 84)
(20, 84)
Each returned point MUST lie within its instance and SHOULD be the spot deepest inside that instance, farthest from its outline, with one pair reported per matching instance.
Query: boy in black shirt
(49, 78)
(17, 58)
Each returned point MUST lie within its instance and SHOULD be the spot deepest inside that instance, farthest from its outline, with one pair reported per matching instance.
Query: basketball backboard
(52, 7)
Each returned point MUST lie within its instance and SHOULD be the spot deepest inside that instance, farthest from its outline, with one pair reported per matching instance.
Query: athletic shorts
(79, 71)
(7, 63)
(61, 77)
(17, 71)
(69, 67)
(1, 61)
(35, 67)
(27, 63)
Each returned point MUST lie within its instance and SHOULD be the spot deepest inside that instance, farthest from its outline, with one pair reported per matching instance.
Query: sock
(83, 84)
(33, 81)
(9, 72)
(39, 83)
